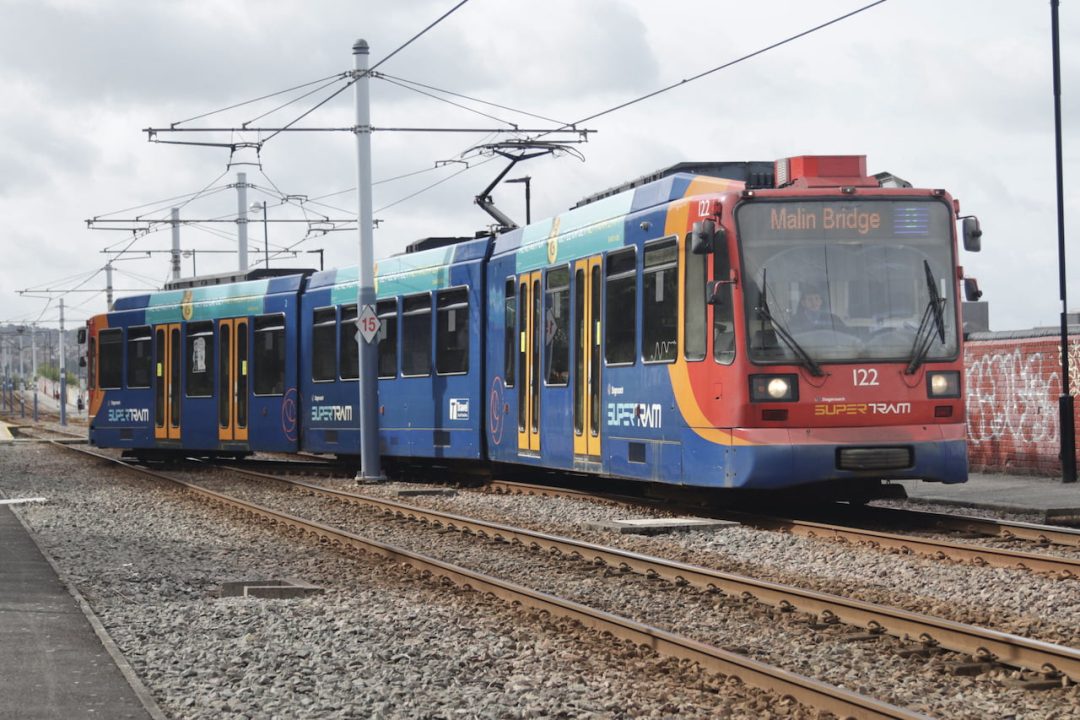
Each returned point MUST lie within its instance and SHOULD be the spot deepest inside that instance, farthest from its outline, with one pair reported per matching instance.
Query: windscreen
(848, 280)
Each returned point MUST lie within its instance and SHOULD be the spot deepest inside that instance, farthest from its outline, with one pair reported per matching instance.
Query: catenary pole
(175, 220)
(108, 286)
(1065, 401)
(242, 220)
(370, 470)
(63, 370)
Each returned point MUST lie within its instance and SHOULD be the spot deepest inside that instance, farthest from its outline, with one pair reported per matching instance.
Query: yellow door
(167, 382)
(587, 382)
(529, 325)
(232, 380)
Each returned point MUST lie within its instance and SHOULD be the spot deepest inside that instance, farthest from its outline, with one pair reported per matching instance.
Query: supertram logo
(128, 415)
(331, 413)
(831, 410)
(634, 415)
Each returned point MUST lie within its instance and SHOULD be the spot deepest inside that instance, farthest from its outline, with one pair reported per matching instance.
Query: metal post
(242, 220)
(175, 220)
(63, 370)
(1065, 402)
(266, 238)
(370, 470)
(108, 286)
(33, 359)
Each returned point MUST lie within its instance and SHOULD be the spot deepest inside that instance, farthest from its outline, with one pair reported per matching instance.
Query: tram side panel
(430, 308)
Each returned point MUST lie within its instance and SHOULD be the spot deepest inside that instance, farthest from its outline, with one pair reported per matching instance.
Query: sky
(955, 95)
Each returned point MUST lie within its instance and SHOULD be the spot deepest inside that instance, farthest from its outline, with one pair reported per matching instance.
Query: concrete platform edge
(1046, 516)
(141, 691)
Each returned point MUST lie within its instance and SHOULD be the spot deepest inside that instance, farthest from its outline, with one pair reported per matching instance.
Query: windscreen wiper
(924, 336)
(782, 332)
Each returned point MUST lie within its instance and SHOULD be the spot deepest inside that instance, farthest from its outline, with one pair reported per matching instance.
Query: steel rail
(992, 527)
(807, 691)
(980, 643)
(980, 555)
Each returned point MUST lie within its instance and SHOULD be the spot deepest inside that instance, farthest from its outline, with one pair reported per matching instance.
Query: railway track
(988, 527)
(980, 643)
(812, 693)
(980, 555)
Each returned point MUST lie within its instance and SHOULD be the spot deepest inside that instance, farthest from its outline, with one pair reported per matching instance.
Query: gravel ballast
(381, 642)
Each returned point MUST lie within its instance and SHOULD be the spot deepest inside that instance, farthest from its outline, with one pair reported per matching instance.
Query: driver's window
(723, 310)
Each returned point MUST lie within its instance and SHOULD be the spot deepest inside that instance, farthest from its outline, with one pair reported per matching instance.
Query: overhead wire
(258, 99)
(384, 76)
(415, 37)
(726, 65)
(450, 102)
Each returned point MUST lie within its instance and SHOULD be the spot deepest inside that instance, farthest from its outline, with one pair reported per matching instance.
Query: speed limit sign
(368, 323)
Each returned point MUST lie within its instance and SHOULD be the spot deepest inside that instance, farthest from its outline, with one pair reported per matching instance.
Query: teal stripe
(589, 230)
(209, 303)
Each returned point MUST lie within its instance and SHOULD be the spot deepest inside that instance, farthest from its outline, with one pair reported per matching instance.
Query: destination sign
(843, 219)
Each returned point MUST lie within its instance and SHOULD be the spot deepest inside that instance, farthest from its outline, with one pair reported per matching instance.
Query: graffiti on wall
(1012, 395)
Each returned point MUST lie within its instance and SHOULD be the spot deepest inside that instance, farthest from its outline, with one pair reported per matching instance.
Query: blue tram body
(655, 333)
(203, 370)
(430, 306)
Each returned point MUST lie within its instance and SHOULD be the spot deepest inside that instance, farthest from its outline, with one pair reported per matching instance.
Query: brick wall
(1013, 384)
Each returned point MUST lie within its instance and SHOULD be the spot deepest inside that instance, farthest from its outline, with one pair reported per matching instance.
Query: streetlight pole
(1065, 401)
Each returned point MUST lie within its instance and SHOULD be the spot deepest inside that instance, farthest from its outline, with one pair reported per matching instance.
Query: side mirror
(972, 234)
(82, 361)
(705, 237)
(971, 290)
(701, 237)
(81, 335)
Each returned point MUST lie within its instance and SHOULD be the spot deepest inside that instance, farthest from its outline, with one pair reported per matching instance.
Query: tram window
(509, 336)
(452, 331)
(111, 358)
(324, 344)
(557, 326)
(268, 355)
(620, 316)
(660, 301)
(694, 322)
(200, 359)
(140, 361)
(387, 312)
(416, 335)
(349, 367)
(723, 311)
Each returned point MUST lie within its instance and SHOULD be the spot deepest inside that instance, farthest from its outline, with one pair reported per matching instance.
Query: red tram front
(836, 335)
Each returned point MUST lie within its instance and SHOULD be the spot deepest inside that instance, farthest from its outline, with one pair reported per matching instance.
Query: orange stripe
(677, 223)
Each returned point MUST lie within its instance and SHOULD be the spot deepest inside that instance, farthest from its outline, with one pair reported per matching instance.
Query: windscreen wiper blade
(924, 336)
(800, 352)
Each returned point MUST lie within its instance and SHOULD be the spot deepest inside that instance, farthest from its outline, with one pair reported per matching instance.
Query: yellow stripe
(677, 217)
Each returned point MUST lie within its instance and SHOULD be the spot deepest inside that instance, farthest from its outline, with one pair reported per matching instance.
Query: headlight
(774, 388)
(943, 384)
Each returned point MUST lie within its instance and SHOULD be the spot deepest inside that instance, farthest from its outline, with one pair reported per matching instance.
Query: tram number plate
(864, 376)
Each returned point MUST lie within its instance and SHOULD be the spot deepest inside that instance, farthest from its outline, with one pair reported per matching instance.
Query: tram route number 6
(864, 376)
(368, 323)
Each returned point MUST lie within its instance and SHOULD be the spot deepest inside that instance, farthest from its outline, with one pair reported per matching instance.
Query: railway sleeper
(1031, 681)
